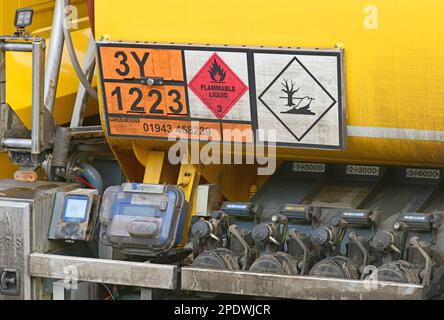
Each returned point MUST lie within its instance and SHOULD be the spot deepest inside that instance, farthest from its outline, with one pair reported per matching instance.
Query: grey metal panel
(277, 286)
(340, 194)
(144, 275)
(39, 198)
(286, 187)
(15, 245)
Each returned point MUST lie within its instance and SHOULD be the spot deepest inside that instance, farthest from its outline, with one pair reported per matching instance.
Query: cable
(89, 185)
(109, 291)
(75, 61)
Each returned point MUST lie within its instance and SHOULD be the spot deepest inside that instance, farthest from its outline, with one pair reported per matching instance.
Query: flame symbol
(216, 72)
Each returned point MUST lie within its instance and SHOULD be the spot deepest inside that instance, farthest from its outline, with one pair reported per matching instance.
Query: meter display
(75, 214)
(75, 209)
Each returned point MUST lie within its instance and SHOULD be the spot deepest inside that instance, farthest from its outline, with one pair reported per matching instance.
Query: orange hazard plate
(145, 94)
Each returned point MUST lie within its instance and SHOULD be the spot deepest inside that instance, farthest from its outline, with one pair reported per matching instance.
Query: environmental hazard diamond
(218, 86)
(297, 99)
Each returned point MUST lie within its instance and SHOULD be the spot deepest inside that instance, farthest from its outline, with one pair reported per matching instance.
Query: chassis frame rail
(293, 287)
(143, 275)
(155, 276)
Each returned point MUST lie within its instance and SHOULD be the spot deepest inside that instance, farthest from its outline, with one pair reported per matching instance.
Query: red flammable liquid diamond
(218, 86)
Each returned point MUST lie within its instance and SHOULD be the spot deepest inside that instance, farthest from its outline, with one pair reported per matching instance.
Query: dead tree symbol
(290, 91)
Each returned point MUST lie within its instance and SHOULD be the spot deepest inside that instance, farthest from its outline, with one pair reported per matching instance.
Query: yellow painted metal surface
(19, 65)
(394, 64)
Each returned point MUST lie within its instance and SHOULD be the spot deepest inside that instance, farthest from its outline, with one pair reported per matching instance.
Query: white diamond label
(300, 96)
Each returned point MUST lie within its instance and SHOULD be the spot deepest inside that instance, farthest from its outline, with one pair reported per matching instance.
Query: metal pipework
(37, 47)
(17, 47)
(38, 76)
(75, 63)
(55, 52)
(13, 143)
(82, 94)
(92, 175)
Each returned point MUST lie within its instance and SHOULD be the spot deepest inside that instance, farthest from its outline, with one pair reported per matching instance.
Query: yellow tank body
(18, 65)
(393, 61)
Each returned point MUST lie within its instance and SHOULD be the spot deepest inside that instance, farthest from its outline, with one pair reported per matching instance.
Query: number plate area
(225, 94)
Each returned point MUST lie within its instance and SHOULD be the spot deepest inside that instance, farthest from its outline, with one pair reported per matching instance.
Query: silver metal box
(25, 215)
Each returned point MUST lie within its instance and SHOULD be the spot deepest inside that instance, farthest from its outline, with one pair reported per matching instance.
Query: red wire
(89, 185)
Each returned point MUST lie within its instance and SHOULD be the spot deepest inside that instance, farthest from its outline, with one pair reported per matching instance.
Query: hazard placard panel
(293, 97)
(299, 94)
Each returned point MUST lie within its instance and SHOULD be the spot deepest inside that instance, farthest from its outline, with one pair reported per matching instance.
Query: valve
(390, 245)
(327, 240)
(208, 235)
(270, 237)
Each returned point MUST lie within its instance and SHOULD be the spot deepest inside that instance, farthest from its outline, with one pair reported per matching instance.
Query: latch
(9, 282)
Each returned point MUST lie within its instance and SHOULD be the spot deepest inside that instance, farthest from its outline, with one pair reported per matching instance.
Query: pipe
(17, 47)
(13, 143)
(92, 175)
(76, 64)
(38, 76)
(82, 95)
(55, 52)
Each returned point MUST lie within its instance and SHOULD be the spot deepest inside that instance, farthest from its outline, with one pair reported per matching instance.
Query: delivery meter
(74, 215)
(144, 219)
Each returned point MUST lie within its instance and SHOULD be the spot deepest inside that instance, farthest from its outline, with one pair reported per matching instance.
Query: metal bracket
(14, 136)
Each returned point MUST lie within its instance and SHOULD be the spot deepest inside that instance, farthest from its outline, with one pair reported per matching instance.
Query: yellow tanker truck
(284, 149)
